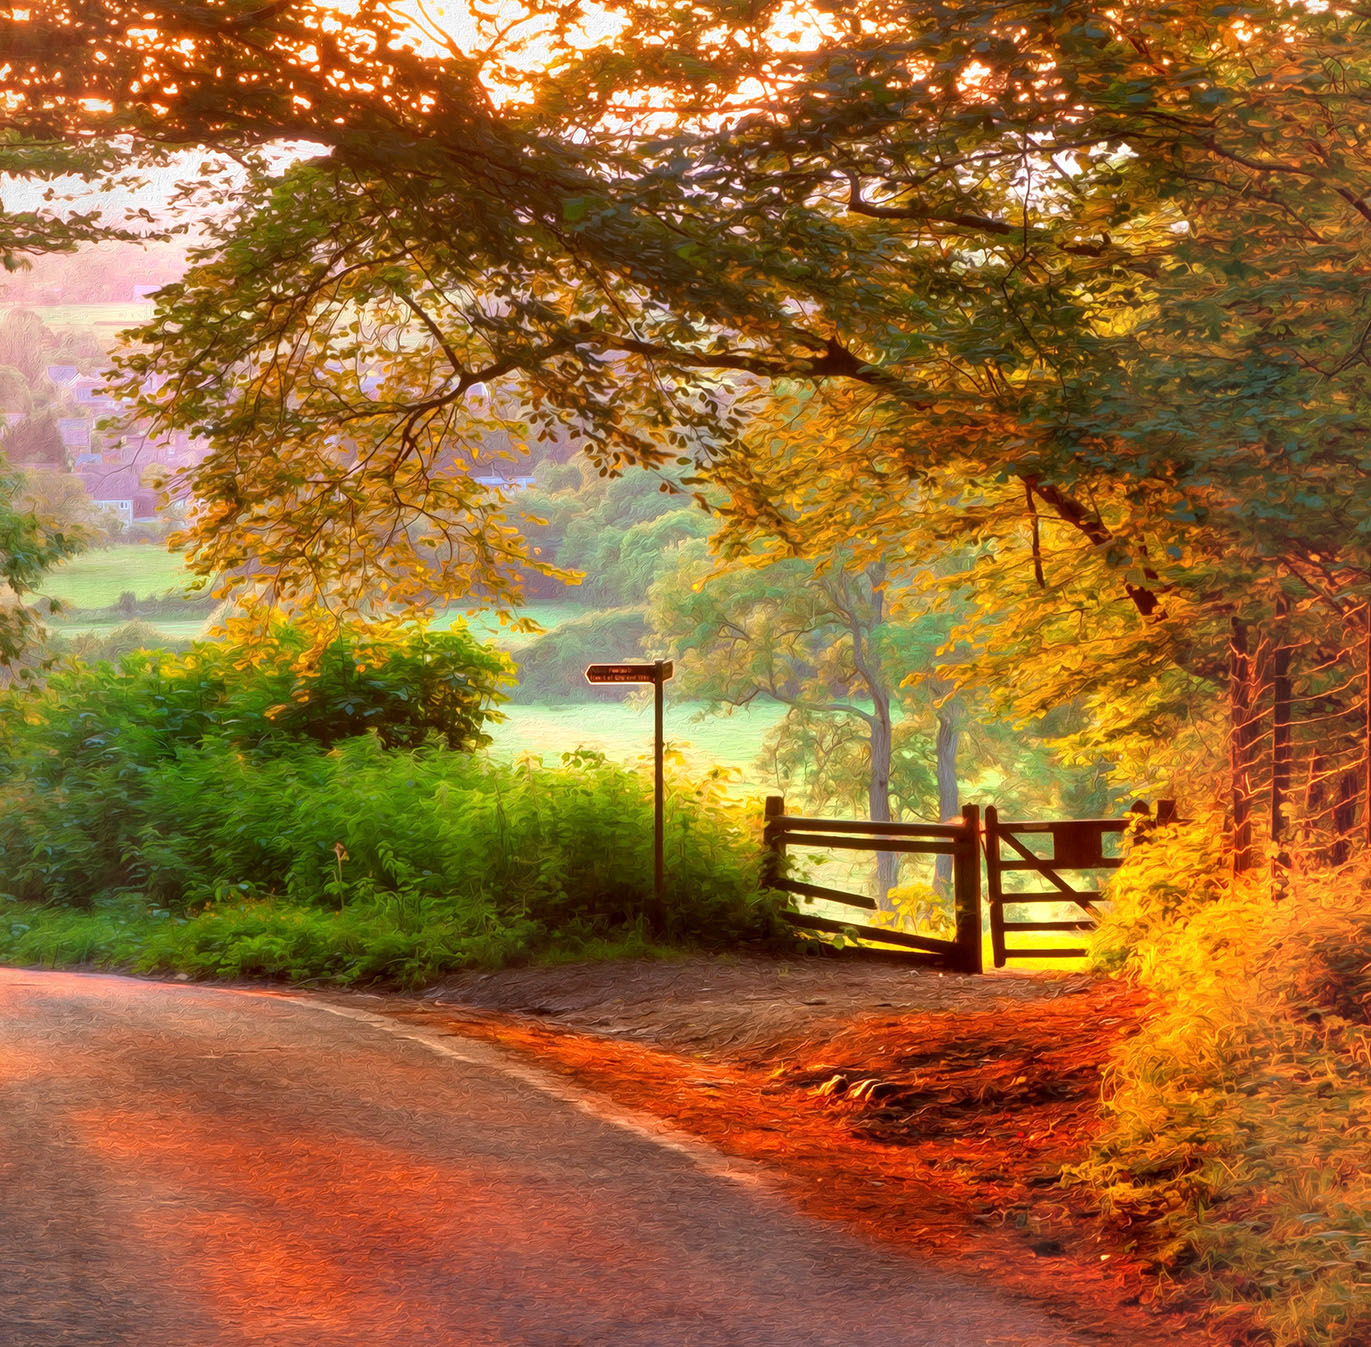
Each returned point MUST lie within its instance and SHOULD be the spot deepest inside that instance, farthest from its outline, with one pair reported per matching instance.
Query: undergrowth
(1237, 1120)
(227, 813)
(368, 943)
(360, 863)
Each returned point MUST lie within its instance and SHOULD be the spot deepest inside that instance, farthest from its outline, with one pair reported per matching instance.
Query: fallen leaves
(941, 1132)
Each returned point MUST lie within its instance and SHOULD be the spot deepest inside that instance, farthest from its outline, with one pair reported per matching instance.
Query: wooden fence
(961, 841)
(1077, 847)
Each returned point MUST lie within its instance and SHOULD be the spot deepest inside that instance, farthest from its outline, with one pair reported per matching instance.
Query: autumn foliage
(1055, 312)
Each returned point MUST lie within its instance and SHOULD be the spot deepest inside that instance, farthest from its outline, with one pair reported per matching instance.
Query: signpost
(655, 673)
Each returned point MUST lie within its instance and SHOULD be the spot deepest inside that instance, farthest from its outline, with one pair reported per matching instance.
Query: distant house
(62, 375)
(74, 432)
(120, 490)
(85, 389)
(122, 507)
(177, 449)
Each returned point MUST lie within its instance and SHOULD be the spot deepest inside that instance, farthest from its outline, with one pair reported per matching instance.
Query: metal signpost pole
(658, 856)
(656, 673)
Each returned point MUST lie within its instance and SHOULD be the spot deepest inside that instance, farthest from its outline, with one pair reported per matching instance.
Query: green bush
(83, 757)
(275, 842)
(94, 718)
(459, 859)
(569, 846)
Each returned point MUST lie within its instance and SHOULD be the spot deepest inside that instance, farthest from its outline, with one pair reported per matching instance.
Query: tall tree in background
(29, 548)
(819, 641)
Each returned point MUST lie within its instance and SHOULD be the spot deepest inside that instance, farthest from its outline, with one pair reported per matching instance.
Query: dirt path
(733, 1008)
(934, 1111)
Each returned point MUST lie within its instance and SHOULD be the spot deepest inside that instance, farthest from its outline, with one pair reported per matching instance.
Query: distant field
(187, 630)
(108, 318)
(487, 626)
(624, 733)
(96, 579)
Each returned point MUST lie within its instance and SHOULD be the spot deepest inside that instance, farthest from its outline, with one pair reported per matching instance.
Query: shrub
(183, 787)
(137, 712)
(564, 847)
(1235, 1121)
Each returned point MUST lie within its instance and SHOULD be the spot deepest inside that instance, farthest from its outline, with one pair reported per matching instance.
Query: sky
(523, 41)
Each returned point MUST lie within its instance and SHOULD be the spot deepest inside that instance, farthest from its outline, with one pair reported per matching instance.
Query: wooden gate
(961, 841)
(1078, 847)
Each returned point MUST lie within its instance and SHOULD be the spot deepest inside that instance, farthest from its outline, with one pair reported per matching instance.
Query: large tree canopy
(1091, 280)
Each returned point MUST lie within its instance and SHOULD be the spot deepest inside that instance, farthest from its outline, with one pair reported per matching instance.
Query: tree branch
(1072, 512)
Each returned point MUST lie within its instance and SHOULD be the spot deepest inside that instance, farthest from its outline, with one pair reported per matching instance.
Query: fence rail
(961, 841)
(1077, 847)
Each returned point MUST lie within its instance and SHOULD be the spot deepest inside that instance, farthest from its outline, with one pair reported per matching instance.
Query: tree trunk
(949, 803)
(865, 613)
(878, 792)
(1241, 730)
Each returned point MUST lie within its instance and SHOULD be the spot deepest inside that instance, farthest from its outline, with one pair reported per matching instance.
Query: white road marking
(474, 1053)
(643, 1125)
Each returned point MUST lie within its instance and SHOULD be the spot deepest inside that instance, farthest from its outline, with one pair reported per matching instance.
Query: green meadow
(97, 578)
(622, 731)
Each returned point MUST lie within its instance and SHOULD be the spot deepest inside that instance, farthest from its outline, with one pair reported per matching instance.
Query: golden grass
(1238, 1121)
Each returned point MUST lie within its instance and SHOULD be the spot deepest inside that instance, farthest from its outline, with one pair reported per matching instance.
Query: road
(184, 1166)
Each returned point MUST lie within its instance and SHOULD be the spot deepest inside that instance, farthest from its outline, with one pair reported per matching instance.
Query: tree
(15, 398)
(615, 532)
(25, 344)
(61, 502)
(35, 440)
(816, 639)
(1099, 283)
(29, 547)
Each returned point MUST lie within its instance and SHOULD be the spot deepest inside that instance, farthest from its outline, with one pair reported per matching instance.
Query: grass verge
(374, 943)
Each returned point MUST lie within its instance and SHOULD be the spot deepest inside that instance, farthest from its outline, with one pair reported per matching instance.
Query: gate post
(773, 840)
(992, 878)
(966, 891)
